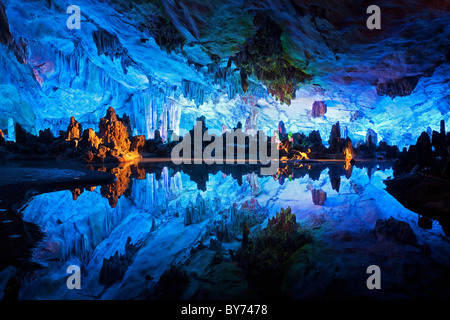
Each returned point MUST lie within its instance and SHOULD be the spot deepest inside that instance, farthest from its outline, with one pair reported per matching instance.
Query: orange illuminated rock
(114, 133)
(348, 151)
(115, 190)
(89, 139)
(74, 130)
(76, 193)
(2, 138)
(137, 143)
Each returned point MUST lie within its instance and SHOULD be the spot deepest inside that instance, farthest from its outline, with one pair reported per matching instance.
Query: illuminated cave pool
(169, 219)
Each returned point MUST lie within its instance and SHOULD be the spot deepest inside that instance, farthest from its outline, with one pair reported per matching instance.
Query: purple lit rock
(318, 109)
(318, 196)
(396, 230)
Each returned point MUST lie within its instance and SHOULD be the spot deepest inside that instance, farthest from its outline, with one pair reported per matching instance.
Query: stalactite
(109, 45)
(227, 79)
(114, 268)
(154, 109)
(198, 211)
(152, 195)
(251, 124)
(197, 92)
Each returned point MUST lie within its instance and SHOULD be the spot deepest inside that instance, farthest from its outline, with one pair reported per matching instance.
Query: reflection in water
(200, 173)
(125, 235)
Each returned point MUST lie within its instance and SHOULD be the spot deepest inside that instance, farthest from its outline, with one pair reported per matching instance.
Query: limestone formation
(396, 230)
(2, 138)
(74, 130)
(348, 150)
(263, 256)
(318, 196)
(281, 129)
(283, 222)
(335, 139)
(371, 138)
(114, 268)
(250, 214)
(76, 193)
(263, 55)
(114, 133)
(197, 212)
(46, 136)
(89, 139)
(318, 109)
(115, 190)
(137, 143)
(24, 138)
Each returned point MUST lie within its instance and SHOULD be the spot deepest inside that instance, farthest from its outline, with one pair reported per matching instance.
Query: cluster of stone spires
(114, 142)
(430, 154)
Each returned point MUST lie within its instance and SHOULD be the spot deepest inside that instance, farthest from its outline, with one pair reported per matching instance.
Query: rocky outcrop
(263, 257)
(137, 144)
(399, 87)
(391, 152)
(335, 139)
(315, 142)
(76, 193)
(421, 152)
(170, 285)
(424, 194)
(111, 144)
(46, 136)
(319, 108)
(318, 196)
(348, 150)
(74, 130)
(335, 183)
(283, 222)
(114, 268)
(197, 212)
(421, 156)
(371, 138)
(2, 138)
(115, 190)
(23, 138)
(439, 141)
(113, 133)
(234, 221)
(18, 47)
(396, 230)
(263, 55)
(249, 214)
(89, 139)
